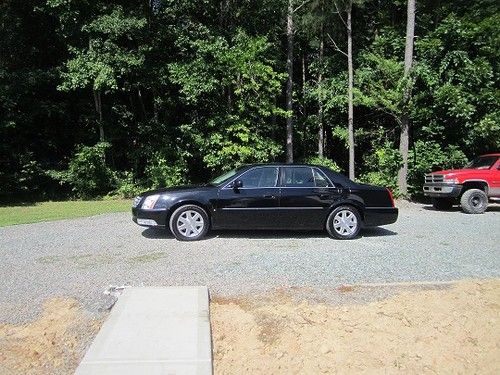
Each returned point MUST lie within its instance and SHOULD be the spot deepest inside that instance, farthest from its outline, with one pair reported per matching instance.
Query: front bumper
(149, 218)
(441, 190)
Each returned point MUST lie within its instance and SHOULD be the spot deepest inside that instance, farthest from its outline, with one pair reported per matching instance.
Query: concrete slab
(154, 331)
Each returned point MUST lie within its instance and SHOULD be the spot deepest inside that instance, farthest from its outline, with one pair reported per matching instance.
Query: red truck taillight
(392, 198)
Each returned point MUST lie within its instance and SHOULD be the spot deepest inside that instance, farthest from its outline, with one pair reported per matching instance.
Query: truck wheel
(442, 203)
(474, 201)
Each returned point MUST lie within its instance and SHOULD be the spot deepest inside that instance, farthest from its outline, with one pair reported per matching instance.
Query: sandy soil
(454, 330)
(450, 330)
(52, 344)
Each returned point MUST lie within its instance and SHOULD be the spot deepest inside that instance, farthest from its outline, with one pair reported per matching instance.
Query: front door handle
(270, 196)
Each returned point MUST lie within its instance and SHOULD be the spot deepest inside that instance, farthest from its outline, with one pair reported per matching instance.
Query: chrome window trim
(278, 180)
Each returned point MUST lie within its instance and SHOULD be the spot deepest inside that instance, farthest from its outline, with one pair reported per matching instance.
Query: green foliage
(126, 187)
(382, 85)
(31, 174)
(236, 131)
(384, 165)
(105, 60)
(325, 162)
(87, 173)
(162, 173)
(188, 89)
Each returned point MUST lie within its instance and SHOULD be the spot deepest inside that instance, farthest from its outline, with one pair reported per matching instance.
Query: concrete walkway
(154, 331)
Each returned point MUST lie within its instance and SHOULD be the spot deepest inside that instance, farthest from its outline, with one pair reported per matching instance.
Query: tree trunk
(98, 108)
(321, 130)
(289, 84)
(350, 115)
(405, 120)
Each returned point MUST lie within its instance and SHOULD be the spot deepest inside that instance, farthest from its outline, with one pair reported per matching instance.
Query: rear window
(298, 177)
(320, 180)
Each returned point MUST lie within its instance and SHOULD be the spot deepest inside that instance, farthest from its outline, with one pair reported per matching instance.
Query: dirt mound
(52, 344)
(454, 330)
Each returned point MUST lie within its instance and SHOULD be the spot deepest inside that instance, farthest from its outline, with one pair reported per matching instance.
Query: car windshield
(482, 162)
(226, 176)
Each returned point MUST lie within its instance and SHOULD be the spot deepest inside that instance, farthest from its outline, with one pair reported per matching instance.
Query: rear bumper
(149, 218)
(437, 190)
(376, 216)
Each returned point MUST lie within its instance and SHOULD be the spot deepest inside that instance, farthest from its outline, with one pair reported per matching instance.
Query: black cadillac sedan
(268, 196)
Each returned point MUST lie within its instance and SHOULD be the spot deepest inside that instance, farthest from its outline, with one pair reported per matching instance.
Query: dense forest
(113, 97)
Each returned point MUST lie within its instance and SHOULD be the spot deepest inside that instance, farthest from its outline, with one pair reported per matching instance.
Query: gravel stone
(81, 258)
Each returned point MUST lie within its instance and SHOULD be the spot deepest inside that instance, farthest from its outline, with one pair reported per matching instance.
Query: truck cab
(472, 186)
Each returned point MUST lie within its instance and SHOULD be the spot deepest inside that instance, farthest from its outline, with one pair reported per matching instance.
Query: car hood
(180, 189)
(456, 172)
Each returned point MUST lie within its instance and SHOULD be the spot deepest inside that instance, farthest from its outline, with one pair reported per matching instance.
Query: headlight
(136, 201)
(150, 201)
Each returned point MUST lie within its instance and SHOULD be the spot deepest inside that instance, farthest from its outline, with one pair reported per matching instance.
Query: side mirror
(237, 184)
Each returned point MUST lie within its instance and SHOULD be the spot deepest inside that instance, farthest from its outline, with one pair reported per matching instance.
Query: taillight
(392, 198)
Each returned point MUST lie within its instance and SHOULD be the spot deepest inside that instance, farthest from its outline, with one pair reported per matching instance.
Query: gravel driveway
(82, 257)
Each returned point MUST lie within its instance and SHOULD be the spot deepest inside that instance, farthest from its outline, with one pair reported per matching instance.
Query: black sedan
(268, 196)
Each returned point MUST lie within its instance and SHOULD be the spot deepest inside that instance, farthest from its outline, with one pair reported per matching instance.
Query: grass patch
(48, 211)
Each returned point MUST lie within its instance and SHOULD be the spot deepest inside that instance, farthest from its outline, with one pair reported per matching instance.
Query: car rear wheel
(442, 203)
(474, 201)
(189, 223)
(344, 223)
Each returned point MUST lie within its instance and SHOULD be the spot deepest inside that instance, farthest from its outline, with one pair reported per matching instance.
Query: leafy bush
(325, 162)
(30, 175)
(384, 163)
(126, 187)
(87, 173)
(161, 173)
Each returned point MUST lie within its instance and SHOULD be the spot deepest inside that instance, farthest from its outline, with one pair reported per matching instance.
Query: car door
(495, 185)
(254, 205)
(306, 197)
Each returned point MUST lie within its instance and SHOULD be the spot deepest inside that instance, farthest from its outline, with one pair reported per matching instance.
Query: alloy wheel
(190, 223)
(345, 222)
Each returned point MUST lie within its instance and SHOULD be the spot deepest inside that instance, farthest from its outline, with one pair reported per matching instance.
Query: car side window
(320, 180)
(298, 177)
(260, 178)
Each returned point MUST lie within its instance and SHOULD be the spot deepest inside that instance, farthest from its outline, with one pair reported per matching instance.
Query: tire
(344, 223)
(474, 201)
(189, 223)
(442, 203)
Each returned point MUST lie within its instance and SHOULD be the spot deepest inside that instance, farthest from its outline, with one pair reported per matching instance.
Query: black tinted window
(298, 177)
(320, 179)
(260, 177)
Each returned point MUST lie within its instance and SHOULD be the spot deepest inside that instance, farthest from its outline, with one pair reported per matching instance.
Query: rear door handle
(270, 196)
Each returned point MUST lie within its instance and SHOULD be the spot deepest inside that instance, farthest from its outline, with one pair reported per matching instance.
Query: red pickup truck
(472, 185)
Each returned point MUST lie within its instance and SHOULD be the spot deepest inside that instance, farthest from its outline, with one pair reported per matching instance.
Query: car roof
(279, 165)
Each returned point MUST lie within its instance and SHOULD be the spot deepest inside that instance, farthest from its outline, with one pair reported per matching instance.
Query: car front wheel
(474, 201)
(189, 223)
(344, 223)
